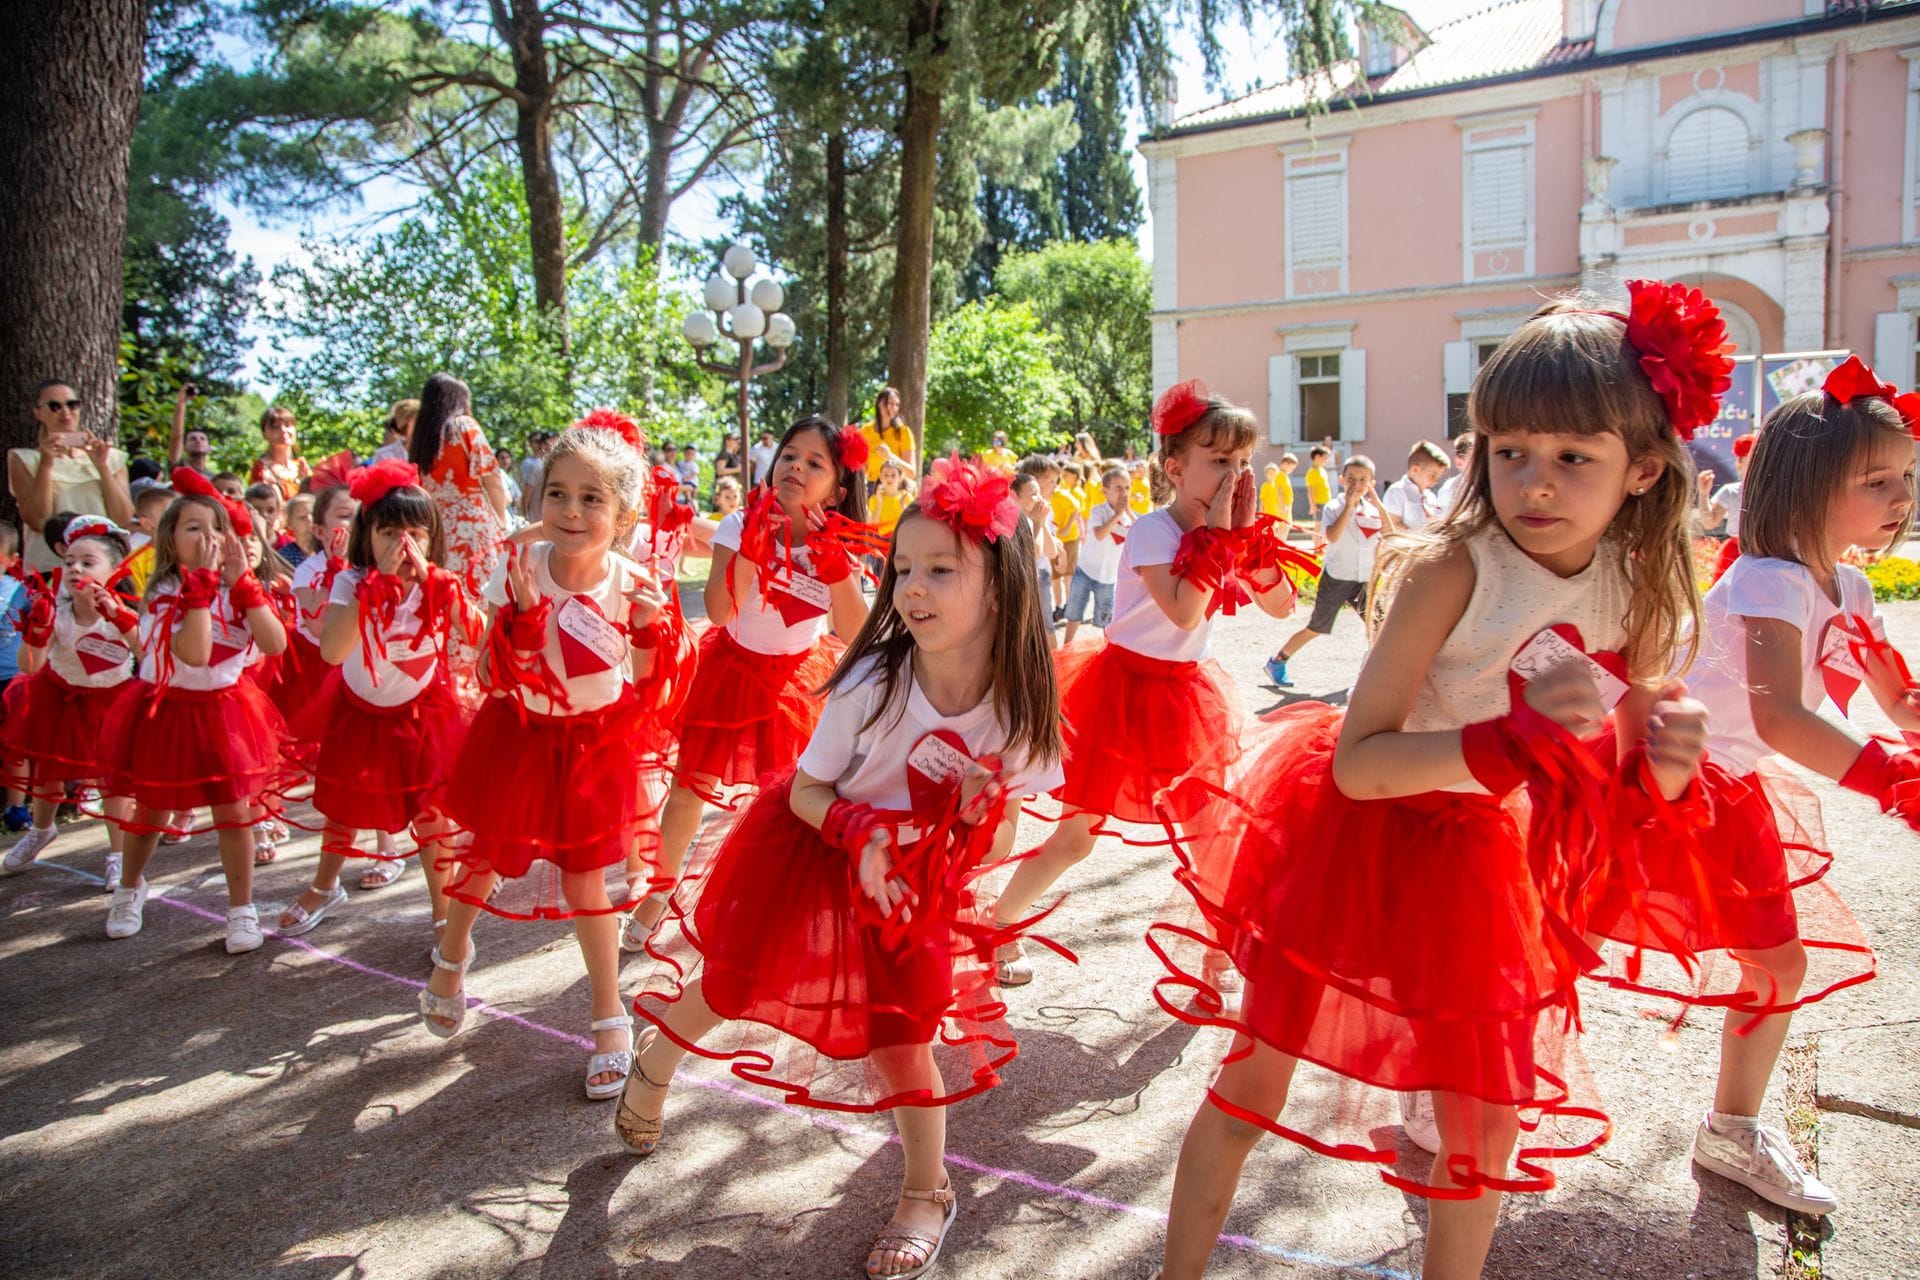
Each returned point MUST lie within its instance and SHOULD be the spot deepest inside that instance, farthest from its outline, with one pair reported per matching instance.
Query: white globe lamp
(749, 321)
(700, 329)
(720, 292)
(768, 295)
(739, 262)
(780, 330)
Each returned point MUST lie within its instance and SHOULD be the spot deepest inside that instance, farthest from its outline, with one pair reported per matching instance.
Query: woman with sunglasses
(69, 469)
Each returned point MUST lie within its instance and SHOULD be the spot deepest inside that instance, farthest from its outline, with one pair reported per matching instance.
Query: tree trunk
(64, 145)
(912, 316)
(838, 401)
(525, 34)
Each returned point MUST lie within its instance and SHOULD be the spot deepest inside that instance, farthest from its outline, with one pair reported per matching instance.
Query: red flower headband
(604, 419)
(1180, 406)
(853, 449)
(370, 484)
(188, 481)
(1853, 379)
(973, 499)
(1682, 343)
(91, 526)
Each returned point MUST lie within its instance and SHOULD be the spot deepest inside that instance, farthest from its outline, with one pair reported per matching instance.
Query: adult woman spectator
(458, 471)
(399, 429)
(68, 469)
(279, 465)
(727, 461)
(888, 437)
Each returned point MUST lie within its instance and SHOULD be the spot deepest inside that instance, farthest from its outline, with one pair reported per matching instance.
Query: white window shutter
(1282, 399)
(1314, 220)
(1893, 343)
(1353, 394)
(1456, 367)
(1709, 156)
(1499, 178)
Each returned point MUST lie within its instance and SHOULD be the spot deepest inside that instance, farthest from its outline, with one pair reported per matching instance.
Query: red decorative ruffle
(177, 749)
(296, 679)
(54, 732)
(378, 768)
(748, 714)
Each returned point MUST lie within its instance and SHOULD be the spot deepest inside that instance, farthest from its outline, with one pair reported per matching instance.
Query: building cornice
(1325, 301)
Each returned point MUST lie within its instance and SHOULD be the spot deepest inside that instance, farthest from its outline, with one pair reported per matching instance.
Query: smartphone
(70, 439)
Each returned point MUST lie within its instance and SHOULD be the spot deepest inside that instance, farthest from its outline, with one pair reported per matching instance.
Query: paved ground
(169, 1111)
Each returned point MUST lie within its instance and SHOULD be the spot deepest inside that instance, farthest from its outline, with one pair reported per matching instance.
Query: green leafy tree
(1094, 301)
(991, 369)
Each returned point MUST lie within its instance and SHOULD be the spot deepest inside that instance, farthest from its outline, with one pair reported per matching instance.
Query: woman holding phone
(70, 469)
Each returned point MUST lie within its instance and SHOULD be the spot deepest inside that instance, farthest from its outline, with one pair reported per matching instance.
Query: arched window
(1709, 156)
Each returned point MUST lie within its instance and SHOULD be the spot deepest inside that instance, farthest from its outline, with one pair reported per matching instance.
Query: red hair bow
(975, 500)
(1682, 343)
(336, 470)
(1743, 447)
(370, 484)
(188, 481)
(1852, 379)
(1180, 406)
(605, 419)
(853, 449)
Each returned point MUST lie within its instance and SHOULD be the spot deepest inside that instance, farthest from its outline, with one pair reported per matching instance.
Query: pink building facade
(1345, 272)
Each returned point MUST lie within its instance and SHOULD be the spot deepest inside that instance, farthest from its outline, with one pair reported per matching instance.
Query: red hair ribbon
(1851, 379)
(971, 498)
(370, 484)
(853, 450)
(1264, 546)
(188, 481)
(1683, 349)
(333, 472)
(606, 419)
(1180, 406)
(1743, 447)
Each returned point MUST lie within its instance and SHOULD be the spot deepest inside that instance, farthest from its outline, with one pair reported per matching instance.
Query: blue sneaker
(1277, 673)
(17, 818)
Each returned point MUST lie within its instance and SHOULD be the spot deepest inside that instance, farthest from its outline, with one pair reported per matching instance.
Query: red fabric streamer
(663, 690)
(764, 539)
(37, 630)
(849, 827)
(837, 545)
(246, 594)
(1209, 560)
(1893, 780)
(516, 654)
(379, 597)
(1264, 546)
(1180, 406)
(199, 588)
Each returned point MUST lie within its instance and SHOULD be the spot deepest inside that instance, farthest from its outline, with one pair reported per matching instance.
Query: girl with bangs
(835, 930)
(1787, 626)
(1393, 920)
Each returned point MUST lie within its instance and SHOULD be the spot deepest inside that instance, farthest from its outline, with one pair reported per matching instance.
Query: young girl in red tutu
(783, 595)
(1147, 707)
(76, 649)
(302, 669)
(386, 725)
(1787, 626)
(556, 781)
(835, 928)
(1391, 918)
(192, 730)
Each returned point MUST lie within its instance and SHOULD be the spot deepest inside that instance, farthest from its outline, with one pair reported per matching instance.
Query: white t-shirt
(90, 657)
(871, 766)
(1763, 587)
(1350, 557)
(1100, 557)
(1411, 505)
(391, 451)
(233, 647)
(1727, 498)
(586, 635)
(796, 616)
(412, 653)
(306, 577)
(760, 459)
(1139, 623)
(1449, 490)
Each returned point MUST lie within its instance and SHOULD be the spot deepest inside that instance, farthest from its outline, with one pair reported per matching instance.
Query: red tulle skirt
(772, 923)
(55, 732)
(564, 808)
(377, 768)
(1749, 879)
(298, 676)
(748, 714)
(1399, 944)
(1145, 738)
(175, 748)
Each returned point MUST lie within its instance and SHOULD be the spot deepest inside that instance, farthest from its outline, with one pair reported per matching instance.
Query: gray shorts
(1329, 596)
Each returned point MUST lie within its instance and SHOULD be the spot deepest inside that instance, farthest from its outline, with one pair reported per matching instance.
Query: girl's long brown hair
(166, 562)
(1026, 697)
(1567, 369)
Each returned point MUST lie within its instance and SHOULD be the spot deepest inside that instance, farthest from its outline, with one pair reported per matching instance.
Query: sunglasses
(55, 406)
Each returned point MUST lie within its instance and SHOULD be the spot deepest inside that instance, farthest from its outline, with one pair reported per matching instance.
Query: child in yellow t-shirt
(1139, 487)
(885, 503)
(1069, 513)
(1319, 490)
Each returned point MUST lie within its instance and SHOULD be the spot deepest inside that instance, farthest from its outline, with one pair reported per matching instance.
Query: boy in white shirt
(1410, 500)
(1354, 522)
(1098, 569)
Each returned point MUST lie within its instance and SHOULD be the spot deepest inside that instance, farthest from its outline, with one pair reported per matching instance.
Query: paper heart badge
(935, 767)
(100, 654)
(798, 597)
(1561, 643)
(589, 643)
(1840, 671)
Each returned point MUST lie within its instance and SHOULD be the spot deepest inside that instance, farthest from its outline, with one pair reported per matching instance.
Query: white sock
(47, 830)
(1722, 1122)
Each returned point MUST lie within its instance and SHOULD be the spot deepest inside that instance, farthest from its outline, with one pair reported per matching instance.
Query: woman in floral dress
(458, 470)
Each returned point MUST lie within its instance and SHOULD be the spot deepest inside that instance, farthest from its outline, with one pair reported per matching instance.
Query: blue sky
(270, 243)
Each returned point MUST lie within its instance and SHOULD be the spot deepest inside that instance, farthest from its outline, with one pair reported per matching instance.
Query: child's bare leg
(1750, 1046)
(335, 843)
(140, 845)
(598, 931)
(1216, 1149)
(1459, 1232)
(1071, 841)
(679, 820)
(235, 823)
(923, 1141)
(118, 809)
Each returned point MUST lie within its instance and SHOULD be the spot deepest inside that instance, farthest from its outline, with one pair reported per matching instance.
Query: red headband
(188, 481)
(1852, 379)
(604, 419)
(975, 500)
(1180, 406)
(853, 449)
(1682, 343)
(370, 484)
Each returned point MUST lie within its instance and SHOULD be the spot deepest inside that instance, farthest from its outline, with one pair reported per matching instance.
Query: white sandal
(619, 1061)
(631, 937)
(444, 1015)
(913, 1246)
(304, 920)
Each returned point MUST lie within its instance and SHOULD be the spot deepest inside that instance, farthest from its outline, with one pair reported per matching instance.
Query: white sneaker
(110, 873)
(1760, 1158)
(125, 910)
(243, 930)
(1416, 1117)
(26, 849)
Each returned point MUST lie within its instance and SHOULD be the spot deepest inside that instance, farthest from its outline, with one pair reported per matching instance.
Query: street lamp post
(746, 315)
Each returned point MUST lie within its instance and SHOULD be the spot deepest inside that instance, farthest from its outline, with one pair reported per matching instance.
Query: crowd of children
(1555, 746)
